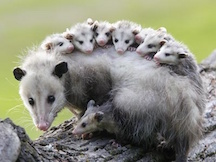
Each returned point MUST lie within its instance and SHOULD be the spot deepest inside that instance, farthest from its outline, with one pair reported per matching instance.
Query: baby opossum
(82, 37)
(178, 58)
(49, 82)
(123, 35)
(96, 118)
(140, 37)
(102, 32)
(153, 41)
(58, 43)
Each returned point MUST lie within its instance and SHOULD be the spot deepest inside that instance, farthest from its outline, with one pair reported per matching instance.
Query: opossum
(82, 37)
(153, 42)
(49, 82)
(58, 43)
(123, 35)
(155, 101)
(102, 32)
(96, 118)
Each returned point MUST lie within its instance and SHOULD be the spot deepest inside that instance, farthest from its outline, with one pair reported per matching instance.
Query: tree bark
(59, 144)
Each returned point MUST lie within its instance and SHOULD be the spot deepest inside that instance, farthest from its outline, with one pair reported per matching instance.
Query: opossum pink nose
(138, 51)
(120, 51)
(101, 42)
(137, 38)
(156, 58)
(43, 126)
(89, 51)
(70, 49)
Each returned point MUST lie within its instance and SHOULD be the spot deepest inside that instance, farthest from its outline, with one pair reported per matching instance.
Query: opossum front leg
(182, 149)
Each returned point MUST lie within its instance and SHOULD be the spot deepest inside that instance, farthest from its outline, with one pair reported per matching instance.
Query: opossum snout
(120, 51)
(70, 49)
(89, 51)
(101, 42)
(43, 126)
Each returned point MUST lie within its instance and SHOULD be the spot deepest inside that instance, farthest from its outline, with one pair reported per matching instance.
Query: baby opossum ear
(112, 28)
(135, 31)
(90, 21)
(91, 103)
(60, 69)
(48, 46)
(95, 26)
(98, 116)
(182, 55)
(19, 73)
(69, 36)
(162, 29)
(162, 42)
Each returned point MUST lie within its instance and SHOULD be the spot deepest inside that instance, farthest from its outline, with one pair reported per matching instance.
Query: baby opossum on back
(49, 82)
(82, 37)
(123, 35)
(57, 42)
(102, 32)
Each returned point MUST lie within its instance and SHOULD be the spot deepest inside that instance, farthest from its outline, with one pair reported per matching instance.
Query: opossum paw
(114, 143)
(131, 49)
(87, 136)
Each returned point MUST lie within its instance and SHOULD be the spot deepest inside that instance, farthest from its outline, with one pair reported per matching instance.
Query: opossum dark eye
(80, 42)
(91, 40)
(167, 54)
(83, 125)
(96, 34)
(116, 40)
(151, 45)
(60, 43)
(50, 99)
(127, 41)
(107, 34)
(31, 101)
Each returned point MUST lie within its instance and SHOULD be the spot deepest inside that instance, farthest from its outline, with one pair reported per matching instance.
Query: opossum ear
(112, 28)
(135, 31)
(162, 29)
(91, 103)
(90, 21)
(68, 36)
(182, 55)
(162, 42)
(60, 69)
(99, 116)
(19, 73)
(94, 26)
(48, 46)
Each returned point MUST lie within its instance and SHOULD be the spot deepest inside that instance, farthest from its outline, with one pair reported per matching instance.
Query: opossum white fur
(140, 37)
(153, 41)
(158, 102)
(58, 43)
(96, 118)
(102, 32)
(67, 80)
(123, 34)
(82, 37)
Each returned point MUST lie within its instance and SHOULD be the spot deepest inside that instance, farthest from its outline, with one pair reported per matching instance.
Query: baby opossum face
(42, 94)
(84, 41)
(58, 44)
(102, 33)
(88, 123)
(122, 40)
(169, 54)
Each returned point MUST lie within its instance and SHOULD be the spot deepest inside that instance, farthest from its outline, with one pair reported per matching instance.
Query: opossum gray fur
(70, 80)
(96, 118)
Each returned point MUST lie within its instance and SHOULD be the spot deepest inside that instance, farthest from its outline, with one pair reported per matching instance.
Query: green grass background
(24, 23)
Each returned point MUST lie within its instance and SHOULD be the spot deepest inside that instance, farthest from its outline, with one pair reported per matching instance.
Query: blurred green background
(24, 23)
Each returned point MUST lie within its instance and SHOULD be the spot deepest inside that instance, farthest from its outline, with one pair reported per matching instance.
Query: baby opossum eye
(127, 41)
(91, 40)
(151, 45)
(83, 125)
(50, 99)
(96, 34)
(31, 101)
(107, 34)
(80, 42)
(116, 40)
(60, 43)
(167, 54)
